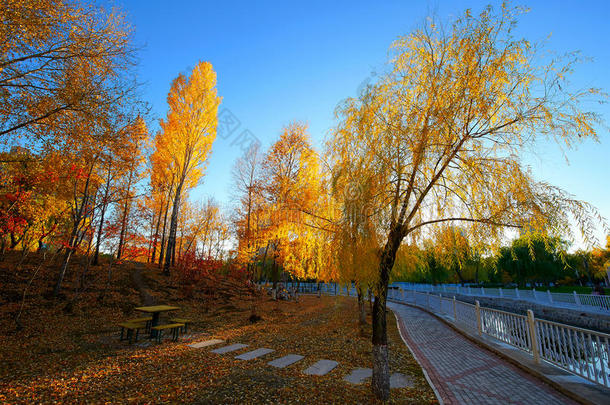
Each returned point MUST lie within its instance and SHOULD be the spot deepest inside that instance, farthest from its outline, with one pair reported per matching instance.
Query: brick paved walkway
(463, 372)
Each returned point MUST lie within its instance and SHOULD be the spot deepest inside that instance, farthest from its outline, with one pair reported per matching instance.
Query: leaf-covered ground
(75, 357)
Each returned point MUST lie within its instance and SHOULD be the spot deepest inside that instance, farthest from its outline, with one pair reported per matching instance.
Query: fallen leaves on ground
(70, 358)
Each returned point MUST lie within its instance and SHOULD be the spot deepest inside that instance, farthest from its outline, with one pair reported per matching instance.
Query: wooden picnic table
(156, 310)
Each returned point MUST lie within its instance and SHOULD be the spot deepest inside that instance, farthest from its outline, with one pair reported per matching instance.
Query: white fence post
(548, 293)
(531, 321)
(478, 311)
(482, 291)
(501, 294)
(534, 294)
(454, 310)
(577, 299)
(517, 292)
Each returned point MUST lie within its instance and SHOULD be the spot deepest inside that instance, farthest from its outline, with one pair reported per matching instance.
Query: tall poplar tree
(189, 131)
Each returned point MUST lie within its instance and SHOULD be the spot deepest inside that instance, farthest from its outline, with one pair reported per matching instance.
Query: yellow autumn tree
(188, 133)
(444, 133)
(291, 189)
(60, 59)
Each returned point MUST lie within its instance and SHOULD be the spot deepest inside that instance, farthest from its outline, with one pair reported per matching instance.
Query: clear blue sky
(279, 61)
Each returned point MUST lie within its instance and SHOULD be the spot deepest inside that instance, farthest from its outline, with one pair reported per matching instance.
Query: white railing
(579, 351)
(597, 303)
(507, 327)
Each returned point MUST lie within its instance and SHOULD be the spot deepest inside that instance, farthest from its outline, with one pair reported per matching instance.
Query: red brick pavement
(462, 372)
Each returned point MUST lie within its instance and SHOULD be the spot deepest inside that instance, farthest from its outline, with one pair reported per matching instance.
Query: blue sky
(279, 61)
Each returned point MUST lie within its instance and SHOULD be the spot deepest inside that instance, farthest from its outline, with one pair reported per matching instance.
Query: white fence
(579, 351)
(597, 303)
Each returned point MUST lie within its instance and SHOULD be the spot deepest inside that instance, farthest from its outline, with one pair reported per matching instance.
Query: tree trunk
(62, 272)
(173, 227)
(98, 242)
(126, 207)
(381, 370)
(162, 251)
(361, 310)
(458, 272)
(104, 206)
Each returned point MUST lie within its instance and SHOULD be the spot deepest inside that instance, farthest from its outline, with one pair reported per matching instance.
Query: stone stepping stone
(321, 367)
(254, 354)
(143, 344)
(399, 380)
(285, 361)
(230, 348)
(206, 343)
(358, 375)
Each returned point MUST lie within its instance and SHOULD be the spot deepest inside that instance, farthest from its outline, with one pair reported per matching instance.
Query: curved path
(462, 372)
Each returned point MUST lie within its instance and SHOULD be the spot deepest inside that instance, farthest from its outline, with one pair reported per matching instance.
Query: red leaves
(11, 223)
(192, 268)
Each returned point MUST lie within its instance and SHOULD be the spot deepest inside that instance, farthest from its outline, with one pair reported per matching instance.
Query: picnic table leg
(154, 322)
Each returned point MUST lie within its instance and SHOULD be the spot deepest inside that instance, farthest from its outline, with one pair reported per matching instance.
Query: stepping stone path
(285, 361)
(254, 354)
(206, 343)
(399, 380)
(230, 348)
(321, 367)
(358, 375)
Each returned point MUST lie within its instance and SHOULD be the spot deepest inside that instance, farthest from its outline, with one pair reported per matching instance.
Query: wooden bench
(175, 328)
(130, 327)
(146, 319)
(182, 320)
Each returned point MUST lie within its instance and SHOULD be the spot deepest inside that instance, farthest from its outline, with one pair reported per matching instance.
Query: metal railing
(597, 303)
(580, 351)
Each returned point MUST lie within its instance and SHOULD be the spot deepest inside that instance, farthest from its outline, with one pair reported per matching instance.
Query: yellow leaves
(189, 130)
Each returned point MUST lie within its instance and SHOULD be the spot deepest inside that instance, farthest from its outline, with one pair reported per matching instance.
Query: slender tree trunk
(180, 246)
(173, 227)
(381, 369)
(98, 241)
(62, 272)
(162, 251)
(458, 272)
(156, 237)
(14, 241)
(361, 310)
(126, 207)
(264, 259)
